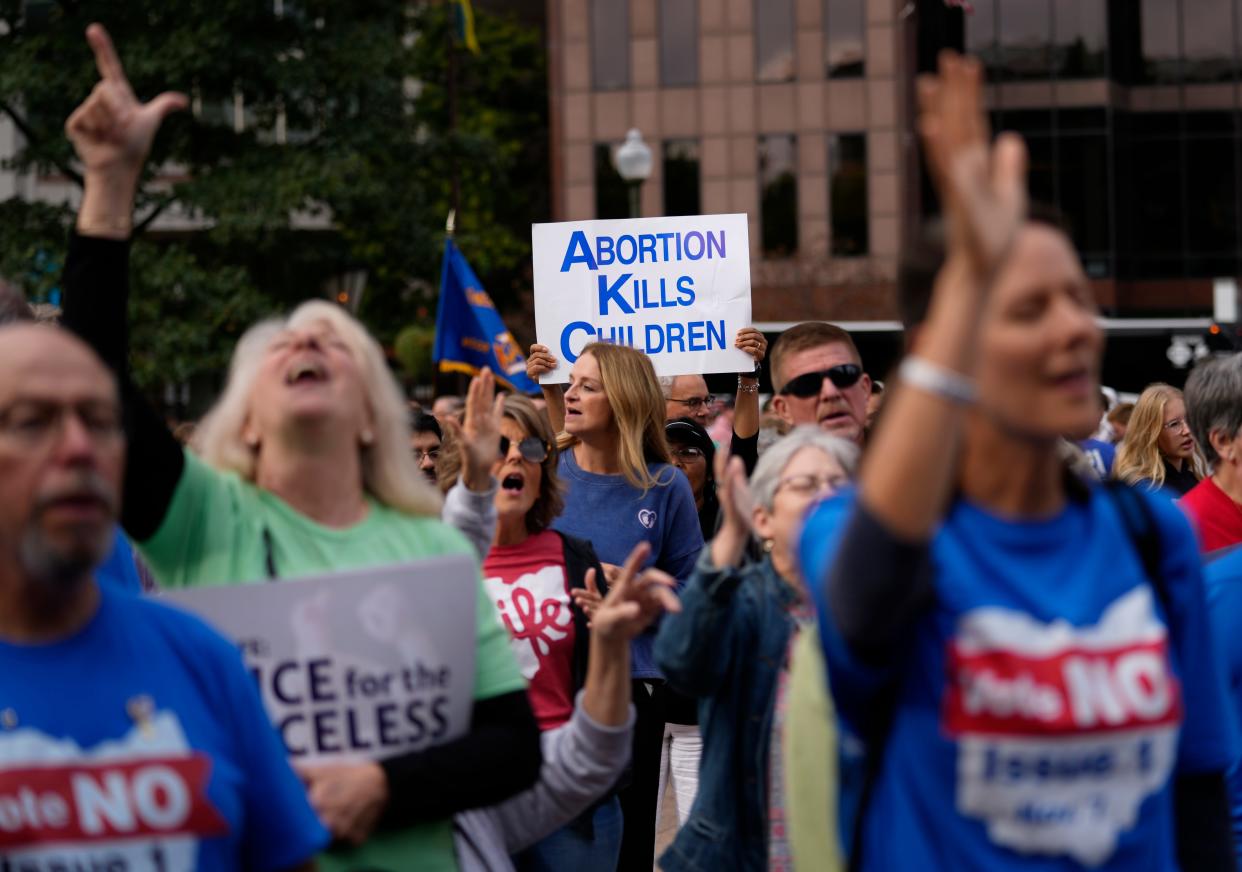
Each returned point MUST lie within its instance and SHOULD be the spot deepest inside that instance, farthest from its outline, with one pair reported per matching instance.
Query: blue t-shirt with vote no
(140, 742)
(1042, 704)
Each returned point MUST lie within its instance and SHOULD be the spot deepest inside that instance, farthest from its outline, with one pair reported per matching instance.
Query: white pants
(679, 760)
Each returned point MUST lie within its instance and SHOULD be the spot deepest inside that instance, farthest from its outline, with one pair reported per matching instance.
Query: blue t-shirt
(614, 516)
(1101, 456)
(1224, 597)
(141, 743)
(1041, 705)
(118, 568)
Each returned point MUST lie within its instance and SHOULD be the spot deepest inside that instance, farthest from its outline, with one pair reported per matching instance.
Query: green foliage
(412, 348)
(367, 159)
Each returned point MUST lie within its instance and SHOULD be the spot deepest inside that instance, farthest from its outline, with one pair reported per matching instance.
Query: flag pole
(450, 223)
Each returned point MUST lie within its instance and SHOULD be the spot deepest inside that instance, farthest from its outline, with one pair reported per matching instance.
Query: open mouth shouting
(306, 372)
(513, 483)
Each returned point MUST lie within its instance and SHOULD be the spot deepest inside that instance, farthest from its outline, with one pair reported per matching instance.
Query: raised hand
(588, 598)
(737, 503)
(634, 600)
(539, 362)
(982, 185)
(479, 433)
(753, 342)
(111, 131)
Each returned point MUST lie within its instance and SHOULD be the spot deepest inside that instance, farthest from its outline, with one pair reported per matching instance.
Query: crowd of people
(967, 618)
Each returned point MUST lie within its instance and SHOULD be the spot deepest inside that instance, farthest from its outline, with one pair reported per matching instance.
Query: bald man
(104, 688)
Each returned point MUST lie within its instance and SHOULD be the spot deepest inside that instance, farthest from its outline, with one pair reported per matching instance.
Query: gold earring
(768, 545)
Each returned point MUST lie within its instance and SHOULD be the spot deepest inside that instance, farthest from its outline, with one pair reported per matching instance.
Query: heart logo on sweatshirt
(647, 518)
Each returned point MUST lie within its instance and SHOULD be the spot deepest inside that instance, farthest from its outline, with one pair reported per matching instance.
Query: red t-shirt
(528, 584)
(1215, 515)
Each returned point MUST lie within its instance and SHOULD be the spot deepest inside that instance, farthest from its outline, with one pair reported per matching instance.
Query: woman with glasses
(1024, 653)
(729, 647)
(1159, 451)
(529, 574)
(694, 453)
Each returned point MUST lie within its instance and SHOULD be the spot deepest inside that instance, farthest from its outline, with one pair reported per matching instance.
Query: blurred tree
(319, 144)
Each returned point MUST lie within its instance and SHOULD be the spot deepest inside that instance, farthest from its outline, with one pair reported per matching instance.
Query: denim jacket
(726, 647)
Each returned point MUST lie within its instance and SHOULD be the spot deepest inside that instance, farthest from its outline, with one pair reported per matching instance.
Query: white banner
(365, 664)
(675, 288)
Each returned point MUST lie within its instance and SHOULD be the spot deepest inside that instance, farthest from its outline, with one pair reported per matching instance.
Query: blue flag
(469, 332)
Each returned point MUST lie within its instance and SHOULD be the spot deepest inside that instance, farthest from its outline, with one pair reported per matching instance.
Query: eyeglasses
(433, 455)
(694, 403)
(1176, 424)
(687, 452)
(531, 448)
(809, 485)
(842, 376)
(38, 425)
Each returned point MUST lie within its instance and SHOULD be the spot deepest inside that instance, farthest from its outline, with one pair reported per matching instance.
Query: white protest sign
(365, 664)
(675, 288)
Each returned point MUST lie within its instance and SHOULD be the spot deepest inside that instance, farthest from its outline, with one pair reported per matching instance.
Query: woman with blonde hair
(306, 468)
(622, 489)
(1158, 450)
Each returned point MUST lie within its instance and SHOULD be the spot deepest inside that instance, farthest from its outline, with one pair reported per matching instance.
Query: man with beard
(818, 378)
(130, 733)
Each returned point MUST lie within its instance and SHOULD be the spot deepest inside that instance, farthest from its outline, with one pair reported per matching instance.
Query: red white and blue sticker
(136, 803)
(1062, 731)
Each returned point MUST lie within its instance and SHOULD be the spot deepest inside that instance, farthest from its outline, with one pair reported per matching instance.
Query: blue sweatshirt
(614, 516)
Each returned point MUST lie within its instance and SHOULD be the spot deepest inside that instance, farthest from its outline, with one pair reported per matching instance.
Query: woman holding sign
(307, 470)
(621, 489)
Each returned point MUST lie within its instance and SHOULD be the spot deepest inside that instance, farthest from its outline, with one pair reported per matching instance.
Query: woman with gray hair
(729, 647)
(1214, 412)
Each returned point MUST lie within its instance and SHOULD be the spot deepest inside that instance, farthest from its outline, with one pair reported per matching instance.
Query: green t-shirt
(214, 534)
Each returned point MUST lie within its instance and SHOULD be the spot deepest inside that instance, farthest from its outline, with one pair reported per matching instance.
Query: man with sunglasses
(818, 378)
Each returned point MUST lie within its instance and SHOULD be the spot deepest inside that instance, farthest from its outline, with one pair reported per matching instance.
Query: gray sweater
(473, 514)
(582, 760)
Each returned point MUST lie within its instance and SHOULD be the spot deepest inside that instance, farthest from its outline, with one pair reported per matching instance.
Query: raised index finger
(106, 60)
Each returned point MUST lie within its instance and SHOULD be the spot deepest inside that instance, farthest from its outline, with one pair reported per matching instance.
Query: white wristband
(935, 379)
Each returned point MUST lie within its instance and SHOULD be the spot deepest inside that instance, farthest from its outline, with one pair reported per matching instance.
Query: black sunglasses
(842, 376)
(531, 448)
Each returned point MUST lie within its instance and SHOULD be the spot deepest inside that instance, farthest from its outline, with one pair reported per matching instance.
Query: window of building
(681, 177)
(1159, 23)
(1212, 204)
(610, 44)
(847, 191)
(981, 35)
(1084, 200)
(774, 40)
(679, 43)
(611, 195)
(1150, 213)
(1207, 40)
(1024, 36)
(778, 195)
(1080, 39)
(845, 38)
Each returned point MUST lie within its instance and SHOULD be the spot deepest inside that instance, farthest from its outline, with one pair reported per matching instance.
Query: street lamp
(633, 160)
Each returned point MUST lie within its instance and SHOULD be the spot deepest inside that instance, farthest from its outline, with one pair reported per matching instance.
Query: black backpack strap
(1141, 527)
